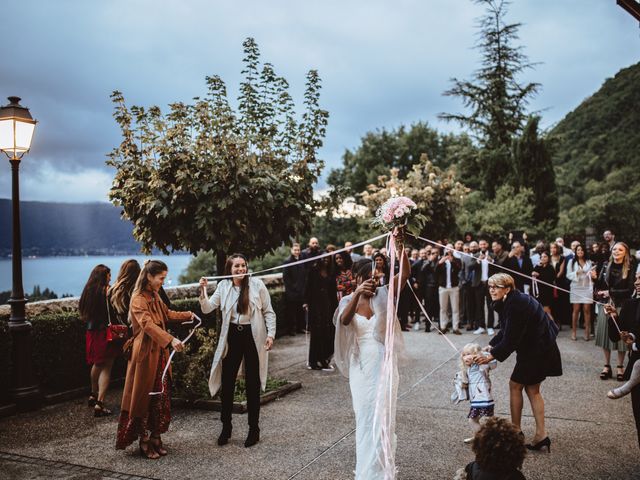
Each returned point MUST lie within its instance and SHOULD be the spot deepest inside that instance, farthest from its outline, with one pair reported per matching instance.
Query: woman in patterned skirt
(143, 416)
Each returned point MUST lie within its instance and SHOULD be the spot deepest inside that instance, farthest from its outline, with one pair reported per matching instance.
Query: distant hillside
(68, 229)
(596, 151)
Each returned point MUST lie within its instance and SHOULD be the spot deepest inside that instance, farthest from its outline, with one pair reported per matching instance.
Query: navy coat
(527, 330)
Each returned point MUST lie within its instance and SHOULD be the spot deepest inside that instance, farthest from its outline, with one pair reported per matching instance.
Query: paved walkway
(308, 435)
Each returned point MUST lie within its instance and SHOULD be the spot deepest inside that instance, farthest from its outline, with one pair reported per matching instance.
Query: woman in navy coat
(528, 331)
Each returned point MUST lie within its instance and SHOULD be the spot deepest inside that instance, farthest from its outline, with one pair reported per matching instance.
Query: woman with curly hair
(499, 450)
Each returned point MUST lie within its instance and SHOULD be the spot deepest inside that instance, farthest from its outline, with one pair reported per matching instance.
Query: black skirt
(534, 369)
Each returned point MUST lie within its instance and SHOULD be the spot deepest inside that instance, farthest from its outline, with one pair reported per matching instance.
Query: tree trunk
(221, 259)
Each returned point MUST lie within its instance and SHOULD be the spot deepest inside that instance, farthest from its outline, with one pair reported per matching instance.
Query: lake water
(69, 274)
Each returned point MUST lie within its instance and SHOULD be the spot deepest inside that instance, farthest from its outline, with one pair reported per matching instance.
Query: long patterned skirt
(158, 416)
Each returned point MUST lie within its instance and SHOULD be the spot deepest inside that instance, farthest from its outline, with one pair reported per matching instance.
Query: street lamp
(16, 132)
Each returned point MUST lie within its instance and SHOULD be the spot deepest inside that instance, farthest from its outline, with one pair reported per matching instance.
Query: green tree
(509, 210)
(205, 177)
(533, 168)
(496, 101)
(400, 149)
(612, 203)
(436, 192)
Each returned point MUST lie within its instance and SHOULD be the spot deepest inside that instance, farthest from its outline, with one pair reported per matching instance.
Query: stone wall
(181, 291)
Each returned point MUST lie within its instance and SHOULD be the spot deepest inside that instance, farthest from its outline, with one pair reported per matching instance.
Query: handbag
(116, 333)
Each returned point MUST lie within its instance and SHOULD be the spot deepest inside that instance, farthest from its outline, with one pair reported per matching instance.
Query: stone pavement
(308, 435)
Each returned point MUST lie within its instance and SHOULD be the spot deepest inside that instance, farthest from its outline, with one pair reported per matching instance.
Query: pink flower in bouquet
(387, 217)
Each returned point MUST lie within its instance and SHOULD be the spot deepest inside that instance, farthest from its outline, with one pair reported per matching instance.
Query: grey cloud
(382, 63)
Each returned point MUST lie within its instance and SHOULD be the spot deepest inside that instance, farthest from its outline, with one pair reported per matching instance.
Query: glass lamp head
(16, 129)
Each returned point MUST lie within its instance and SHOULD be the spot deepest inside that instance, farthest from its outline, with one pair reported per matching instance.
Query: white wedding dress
(359, 356)
(364, 378)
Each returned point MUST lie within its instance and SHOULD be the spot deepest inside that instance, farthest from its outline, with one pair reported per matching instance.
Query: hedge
(59, 351)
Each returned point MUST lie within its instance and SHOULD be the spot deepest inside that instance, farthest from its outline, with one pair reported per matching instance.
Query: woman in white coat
(247, 333)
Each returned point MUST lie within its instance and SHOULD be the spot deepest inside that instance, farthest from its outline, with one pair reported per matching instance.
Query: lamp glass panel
(24, 134)
(6, 135)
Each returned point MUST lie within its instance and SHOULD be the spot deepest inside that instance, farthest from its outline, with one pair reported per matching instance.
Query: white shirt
(485, 268)
(447, 265)
(236, 318)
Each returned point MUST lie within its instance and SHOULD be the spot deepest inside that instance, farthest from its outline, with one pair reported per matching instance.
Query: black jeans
(240, 344)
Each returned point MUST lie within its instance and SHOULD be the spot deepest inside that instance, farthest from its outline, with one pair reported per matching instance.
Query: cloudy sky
(382, 64)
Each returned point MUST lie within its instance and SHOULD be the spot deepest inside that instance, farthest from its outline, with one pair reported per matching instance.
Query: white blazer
(263, 325)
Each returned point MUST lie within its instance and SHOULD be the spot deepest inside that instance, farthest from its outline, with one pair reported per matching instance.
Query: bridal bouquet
(399, 212)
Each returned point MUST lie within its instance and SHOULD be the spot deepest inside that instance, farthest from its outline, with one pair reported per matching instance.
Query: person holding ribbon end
(363, 345)
(142, 415)
(247, 333)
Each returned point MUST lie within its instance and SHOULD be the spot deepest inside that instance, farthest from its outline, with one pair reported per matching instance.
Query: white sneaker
(490, 331)
(479, 331)
(328, 369)
(468, 440)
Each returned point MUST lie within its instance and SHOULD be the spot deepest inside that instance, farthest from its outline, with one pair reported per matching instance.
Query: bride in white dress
(360, 321)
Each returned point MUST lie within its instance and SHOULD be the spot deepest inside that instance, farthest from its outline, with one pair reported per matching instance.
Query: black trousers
(321, 336)
(490, 313)
(240, 345)
(294, 315)
(432, 305)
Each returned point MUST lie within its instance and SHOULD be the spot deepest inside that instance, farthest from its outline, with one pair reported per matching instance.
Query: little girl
(479, 384)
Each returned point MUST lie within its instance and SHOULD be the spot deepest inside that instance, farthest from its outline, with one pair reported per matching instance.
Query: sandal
(156, 442)
(100, 410)
(606, 372)
(93, 398)
(147, 451)
(620, 376)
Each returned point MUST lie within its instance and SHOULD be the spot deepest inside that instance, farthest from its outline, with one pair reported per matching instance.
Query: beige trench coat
(263, 325)
(148, 314)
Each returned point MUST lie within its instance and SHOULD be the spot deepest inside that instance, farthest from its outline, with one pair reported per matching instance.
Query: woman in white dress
(360, 321)
(581, 297)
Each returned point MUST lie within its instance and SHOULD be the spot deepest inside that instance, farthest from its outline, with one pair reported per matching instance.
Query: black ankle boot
(225, 435)
(252, 438)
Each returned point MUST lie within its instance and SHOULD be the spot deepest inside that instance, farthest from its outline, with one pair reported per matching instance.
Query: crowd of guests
(451, 289)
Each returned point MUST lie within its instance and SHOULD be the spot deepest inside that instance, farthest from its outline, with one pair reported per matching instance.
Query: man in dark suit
(295, 280)
(629, 323)
(521, 263)
(474, 300)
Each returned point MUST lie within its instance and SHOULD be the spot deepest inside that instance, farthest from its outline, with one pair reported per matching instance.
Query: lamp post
(16, 132)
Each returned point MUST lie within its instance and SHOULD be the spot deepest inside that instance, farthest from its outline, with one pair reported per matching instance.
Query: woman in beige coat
(247, 333)
(142, 415)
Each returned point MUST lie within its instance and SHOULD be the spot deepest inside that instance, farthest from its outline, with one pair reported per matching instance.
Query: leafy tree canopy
(206, 177)
(494, 98)
(436, 192)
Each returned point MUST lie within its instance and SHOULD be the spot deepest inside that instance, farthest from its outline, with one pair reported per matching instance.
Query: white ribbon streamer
(166, 367)
(305, 260)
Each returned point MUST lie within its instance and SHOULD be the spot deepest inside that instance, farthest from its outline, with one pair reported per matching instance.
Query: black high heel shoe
(252, 438)
(225, 435)
(620, 376)
(545, 442)
(606, 372)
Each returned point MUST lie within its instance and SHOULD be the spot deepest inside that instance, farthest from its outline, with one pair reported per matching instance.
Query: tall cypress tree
(495, 99)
